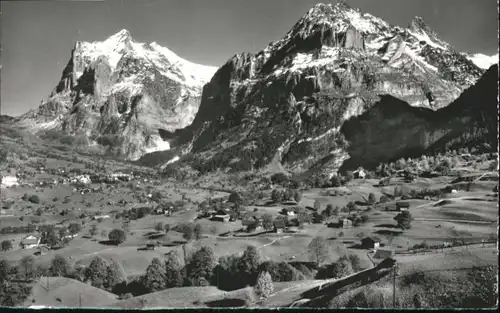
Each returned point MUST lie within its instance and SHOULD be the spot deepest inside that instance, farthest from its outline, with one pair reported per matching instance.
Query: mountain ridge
(123, 89)
(262, 108)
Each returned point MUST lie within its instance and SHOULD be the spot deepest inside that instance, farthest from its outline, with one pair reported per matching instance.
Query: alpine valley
(349, 164)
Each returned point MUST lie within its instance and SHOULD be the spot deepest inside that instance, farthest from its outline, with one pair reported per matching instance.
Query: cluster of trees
(440, 163)
(189, 231)
(279, 196)
(18, 229)
(100, 273)
(334, 181)
(13, 293)
(319, 253)
(344, 266)
(228, 272)
(135, 213)
(53, 237)
(31, 198)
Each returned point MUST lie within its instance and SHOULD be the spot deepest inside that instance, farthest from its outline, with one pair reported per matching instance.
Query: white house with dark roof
(30, 241)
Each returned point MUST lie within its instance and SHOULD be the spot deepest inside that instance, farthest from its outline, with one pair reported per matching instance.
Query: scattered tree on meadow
(351, 207)
(6, 245)
(201, 264)
(198, 231)
(166, 227)
(155, 277)
(4, 270)
(297, 196)
(280, 272)
(226, 275)
(74, 228)
(371, 198)
(336, 181)
(159, 226)
(383, 199)
(114, 275)
(317, 205)
(96, 272)
(404, 219)
(187, 231)
(103, 233)
(267, 221)
(336, 211)
(59, 266)
(173, 272)
(249, 265)
(235, 198)
(50, 237)
(34, 199)
(63, 232)
(26, 268)
(117, 236)
(275, 196)
(279, 178)
(93, 230)
(318, 250)
(355, 262)
(329, 209)
(264, 285)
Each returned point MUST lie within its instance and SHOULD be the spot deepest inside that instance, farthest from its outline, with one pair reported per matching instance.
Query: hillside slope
(58, 292)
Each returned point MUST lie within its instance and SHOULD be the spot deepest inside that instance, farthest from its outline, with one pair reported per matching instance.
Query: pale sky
(37, 36)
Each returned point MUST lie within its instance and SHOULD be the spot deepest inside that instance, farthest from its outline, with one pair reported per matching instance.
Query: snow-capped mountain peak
(482, 60)
(121, 44)
(124, 88)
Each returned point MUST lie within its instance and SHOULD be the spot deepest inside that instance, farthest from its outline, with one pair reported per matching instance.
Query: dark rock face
(125, 89)
(291, 104)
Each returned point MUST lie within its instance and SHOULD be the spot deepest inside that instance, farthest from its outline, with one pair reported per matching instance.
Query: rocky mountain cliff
(125, 91)
(286, 106)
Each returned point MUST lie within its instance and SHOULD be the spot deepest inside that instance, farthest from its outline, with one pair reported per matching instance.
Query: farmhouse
(150, 246)
(346, 223)
(100, 217)
(359, 173)
(162, 210)
(30, 241)
(370, 243)
(221, 217)
(121, 176)
(290, 211)
(82, 179)
(252, 222)
(42, 250)
(402, 206)
(384, 254)
(9, 181)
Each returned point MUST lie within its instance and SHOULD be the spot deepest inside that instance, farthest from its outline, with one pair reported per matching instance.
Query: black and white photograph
(251, 154)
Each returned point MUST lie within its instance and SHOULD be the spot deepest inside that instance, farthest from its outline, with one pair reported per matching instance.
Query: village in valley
(74, 212)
